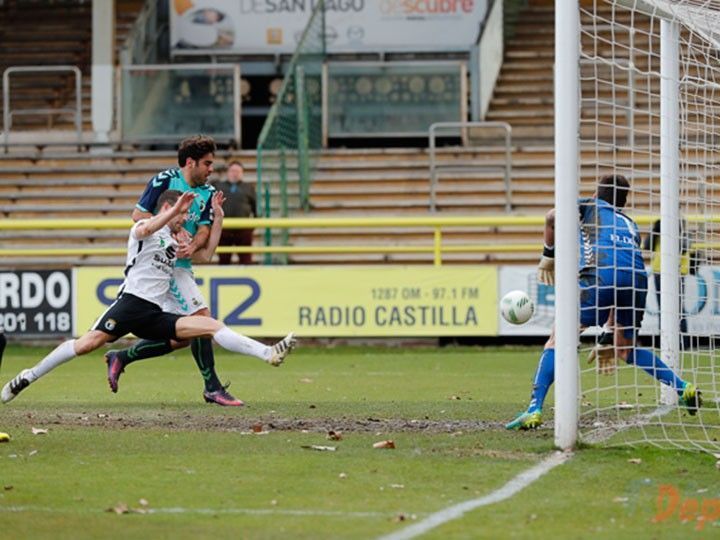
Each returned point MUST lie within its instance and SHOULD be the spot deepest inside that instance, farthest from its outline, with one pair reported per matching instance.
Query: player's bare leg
(193, 327)
(202, 350)
(67, 350)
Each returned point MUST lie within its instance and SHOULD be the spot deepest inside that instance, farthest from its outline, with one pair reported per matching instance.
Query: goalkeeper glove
(605, 355)
(546, 267)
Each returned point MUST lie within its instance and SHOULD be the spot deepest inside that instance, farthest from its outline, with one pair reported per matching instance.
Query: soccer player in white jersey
(195, 159)
(152, 250)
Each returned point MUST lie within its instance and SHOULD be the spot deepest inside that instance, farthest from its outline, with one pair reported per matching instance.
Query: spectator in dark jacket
(240, 202)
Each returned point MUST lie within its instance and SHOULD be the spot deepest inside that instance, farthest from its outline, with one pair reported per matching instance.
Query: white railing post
(567, 73)
(669, 200)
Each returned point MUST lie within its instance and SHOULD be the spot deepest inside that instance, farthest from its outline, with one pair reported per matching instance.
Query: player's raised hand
(183, 246)
(183, 237)
(185, 250)
(546, 270)
(217, 204)
(184, 202)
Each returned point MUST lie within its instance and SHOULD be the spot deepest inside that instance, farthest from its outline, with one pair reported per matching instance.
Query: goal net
(633, 55)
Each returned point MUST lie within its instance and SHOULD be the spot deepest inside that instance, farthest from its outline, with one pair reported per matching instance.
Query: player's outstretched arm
(137, 215)
(546, 267)
(205, 254)
(157, 222)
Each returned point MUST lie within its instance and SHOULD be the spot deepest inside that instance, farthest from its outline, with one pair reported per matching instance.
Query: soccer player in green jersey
(195, 159)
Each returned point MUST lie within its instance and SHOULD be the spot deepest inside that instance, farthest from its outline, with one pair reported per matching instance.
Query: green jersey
(200, 212)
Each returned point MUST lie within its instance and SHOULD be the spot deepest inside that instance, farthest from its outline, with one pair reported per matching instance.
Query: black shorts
(132, 315)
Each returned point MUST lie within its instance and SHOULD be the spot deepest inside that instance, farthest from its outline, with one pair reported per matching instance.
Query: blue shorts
(624, 290)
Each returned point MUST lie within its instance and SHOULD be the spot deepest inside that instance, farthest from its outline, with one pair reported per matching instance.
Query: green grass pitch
(186, 469)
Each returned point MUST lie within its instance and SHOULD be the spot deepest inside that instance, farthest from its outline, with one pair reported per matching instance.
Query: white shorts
(184, 297)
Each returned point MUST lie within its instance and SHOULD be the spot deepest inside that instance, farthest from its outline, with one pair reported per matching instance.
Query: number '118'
(56, 322)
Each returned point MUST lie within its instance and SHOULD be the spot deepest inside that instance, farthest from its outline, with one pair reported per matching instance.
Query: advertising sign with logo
(329, 302)
(275, 26)
(36, 303)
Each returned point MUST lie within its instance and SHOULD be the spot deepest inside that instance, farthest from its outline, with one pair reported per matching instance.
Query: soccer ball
(516, 307)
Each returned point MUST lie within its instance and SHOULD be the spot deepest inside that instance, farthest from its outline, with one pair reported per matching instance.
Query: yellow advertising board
(346, 301)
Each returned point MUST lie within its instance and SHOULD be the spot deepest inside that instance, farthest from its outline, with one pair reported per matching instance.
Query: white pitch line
(266, 512)
(517, 484)
(207, 511)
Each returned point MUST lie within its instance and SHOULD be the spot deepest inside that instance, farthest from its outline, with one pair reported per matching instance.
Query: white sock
(238, 343)
(61, 354)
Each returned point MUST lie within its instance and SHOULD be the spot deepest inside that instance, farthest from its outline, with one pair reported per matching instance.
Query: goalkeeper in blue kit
(613, 289)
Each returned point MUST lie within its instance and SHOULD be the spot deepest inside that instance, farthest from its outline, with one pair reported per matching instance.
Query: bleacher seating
(29, 30)
(346, 183)
(66, 184)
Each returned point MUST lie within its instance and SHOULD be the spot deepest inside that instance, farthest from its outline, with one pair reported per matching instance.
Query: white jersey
(150, 264)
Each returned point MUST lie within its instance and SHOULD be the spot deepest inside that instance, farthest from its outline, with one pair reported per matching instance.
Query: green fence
(292, 134)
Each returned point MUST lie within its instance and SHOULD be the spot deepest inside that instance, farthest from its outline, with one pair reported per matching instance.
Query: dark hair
(235, 162)
(195, 147)
(614, 189)
(169, 196)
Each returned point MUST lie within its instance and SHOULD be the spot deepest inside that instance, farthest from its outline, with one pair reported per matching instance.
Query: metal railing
(8, 113)
(462, 128)
(436, 225)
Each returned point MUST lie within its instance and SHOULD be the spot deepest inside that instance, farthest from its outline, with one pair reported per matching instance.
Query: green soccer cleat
(691, 398)
(526, 420)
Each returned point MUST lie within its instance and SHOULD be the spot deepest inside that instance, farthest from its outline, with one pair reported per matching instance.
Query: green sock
(205, 359)
(144, 349)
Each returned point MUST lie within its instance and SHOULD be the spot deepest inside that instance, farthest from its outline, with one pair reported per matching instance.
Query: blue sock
(544, 377)
(655, 367)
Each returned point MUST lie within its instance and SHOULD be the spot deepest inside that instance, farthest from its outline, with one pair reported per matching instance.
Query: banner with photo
(275, 26)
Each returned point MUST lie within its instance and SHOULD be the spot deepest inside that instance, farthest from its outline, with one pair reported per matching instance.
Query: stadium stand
(31, 28)
(346, 183)
(29, 31)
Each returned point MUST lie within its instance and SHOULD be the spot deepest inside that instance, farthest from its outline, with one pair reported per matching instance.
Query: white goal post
(637, 93)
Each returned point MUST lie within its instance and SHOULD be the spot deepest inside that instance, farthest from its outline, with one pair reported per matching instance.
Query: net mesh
(292, 133)
(620, 134)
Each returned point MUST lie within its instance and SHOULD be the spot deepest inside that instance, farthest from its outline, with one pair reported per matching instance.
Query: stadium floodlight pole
(669, 200)
(567, 92)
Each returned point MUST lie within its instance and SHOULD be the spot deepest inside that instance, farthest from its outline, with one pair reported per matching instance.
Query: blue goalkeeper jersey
(609, 240)
(200, 212)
